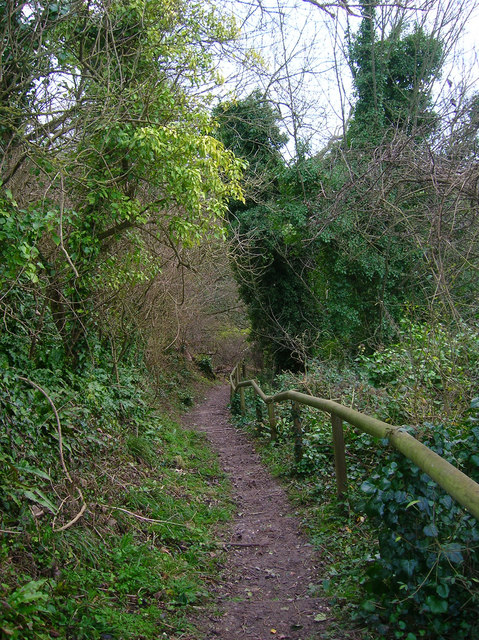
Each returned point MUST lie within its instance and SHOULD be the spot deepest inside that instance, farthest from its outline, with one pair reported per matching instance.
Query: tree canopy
(107, 145)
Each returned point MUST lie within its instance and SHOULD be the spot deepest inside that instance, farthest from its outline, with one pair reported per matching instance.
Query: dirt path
(265, 590)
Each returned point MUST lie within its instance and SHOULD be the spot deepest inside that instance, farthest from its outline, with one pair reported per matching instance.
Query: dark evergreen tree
(250, 129)
(268, 255)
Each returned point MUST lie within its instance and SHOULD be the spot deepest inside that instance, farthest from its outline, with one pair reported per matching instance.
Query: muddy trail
(265, 590)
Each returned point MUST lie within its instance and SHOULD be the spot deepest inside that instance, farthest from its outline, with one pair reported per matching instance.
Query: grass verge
(139, 557)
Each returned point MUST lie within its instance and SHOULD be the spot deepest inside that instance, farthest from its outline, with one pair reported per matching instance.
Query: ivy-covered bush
(424, 581)
(205, 365)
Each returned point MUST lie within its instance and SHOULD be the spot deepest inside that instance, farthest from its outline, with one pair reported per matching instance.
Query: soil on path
(265, 590)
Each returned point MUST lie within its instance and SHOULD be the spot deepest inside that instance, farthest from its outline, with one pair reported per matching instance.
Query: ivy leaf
(424, 505)
(409, 566)
(452, 551)
(442, 590)
(436, 605)
(368, 488)
(475, 459)
(430, 530)
(369, 606)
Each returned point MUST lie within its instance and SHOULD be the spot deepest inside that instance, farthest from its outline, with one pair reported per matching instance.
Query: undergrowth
(113, 538)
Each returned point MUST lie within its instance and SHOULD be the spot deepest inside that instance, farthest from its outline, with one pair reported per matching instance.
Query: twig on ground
(246, 544)
(10, 532)
(73, 520)
(144, 518)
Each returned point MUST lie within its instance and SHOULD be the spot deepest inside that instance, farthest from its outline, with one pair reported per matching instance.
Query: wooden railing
(456, 483)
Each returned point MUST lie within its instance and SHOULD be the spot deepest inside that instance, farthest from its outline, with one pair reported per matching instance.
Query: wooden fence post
(272, 421)
(241, 391)
(259, 414)
(297, 433)
(242, 401)
(339, 455)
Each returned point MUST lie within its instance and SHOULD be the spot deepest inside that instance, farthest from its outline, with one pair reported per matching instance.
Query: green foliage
(326, 255)
(249, 128)
(325, 259)
(205, 365)
(20, 231)
(274, 285)
(124, 161)
(135, 561)
(268, 233)
(360, 285)
(235, 406)
(107, 154)
(425, 579)
(392, 79)
(370, 263)
(431, 372)
(27, 607)
(162, 161)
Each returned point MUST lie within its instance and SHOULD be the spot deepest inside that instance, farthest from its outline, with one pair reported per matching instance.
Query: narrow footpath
(270, 567)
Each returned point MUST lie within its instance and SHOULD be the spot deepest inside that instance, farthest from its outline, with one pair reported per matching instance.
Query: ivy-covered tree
(270, 261)
(369, 261)
(249, 128)
(392, 77)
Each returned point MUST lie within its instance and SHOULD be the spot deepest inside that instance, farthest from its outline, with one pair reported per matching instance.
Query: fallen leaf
(320, 617)
(273, 631)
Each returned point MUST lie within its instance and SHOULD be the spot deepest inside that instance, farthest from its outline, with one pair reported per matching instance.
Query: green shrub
(424, 584)
(205, 365)
(430, 374)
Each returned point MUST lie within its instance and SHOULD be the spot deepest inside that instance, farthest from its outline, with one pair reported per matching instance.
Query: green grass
(117, 575)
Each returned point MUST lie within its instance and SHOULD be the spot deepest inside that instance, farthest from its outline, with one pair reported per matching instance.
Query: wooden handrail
(456, 483)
